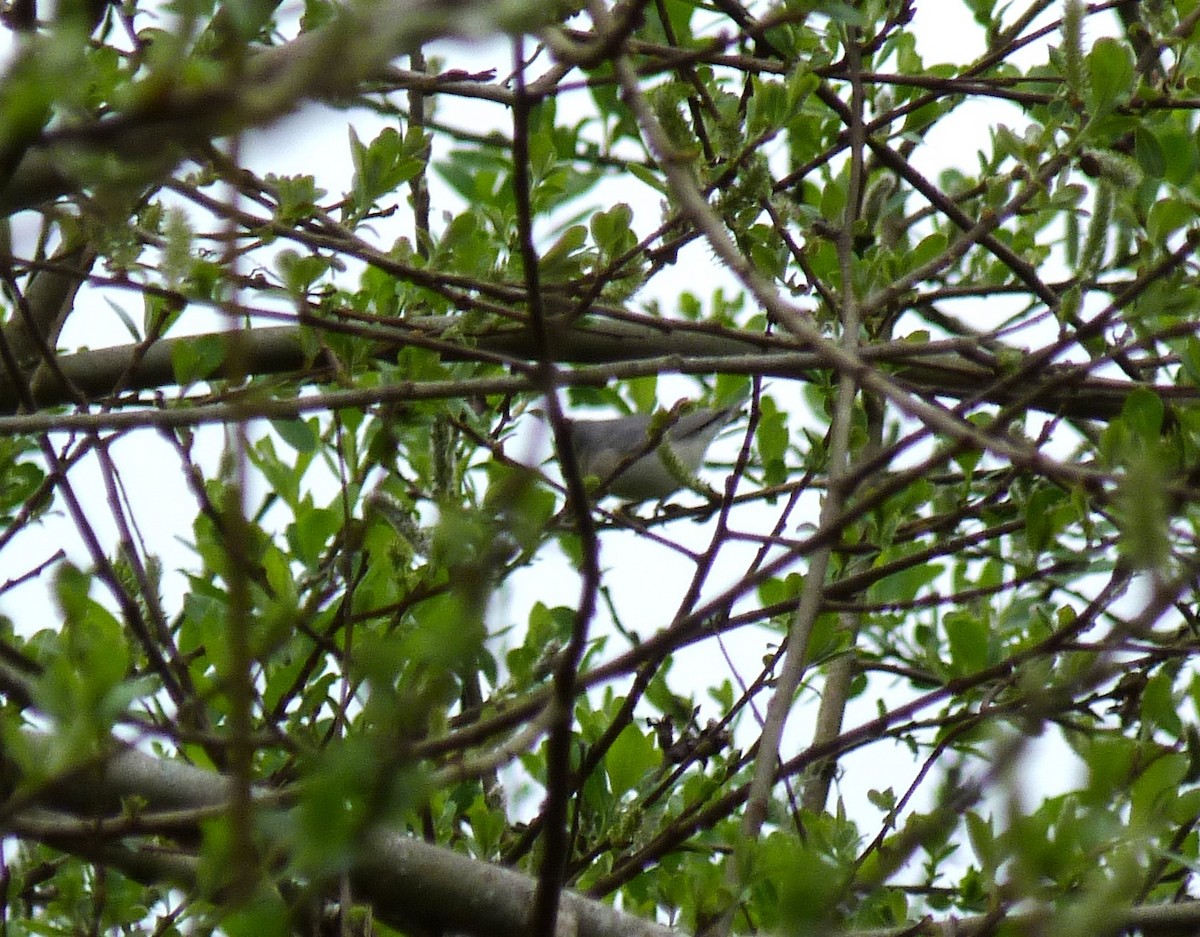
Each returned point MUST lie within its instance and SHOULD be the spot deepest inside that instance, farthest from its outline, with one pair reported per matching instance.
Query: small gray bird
(627, 444)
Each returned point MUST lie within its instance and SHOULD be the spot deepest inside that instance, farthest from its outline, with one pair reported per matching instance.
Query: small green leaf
(1167, 216)
(126, 320)
(644, 392)
(1041, 522)
(1110, 74)
(776, 590)
(1190, 359)
(1143, 414)
(1159, 706)
(1149, 153)
(611, 229)
(266, 916)
(562, 257)
(301, 435)
(631, 758)
(197, 359)
(903, 586)
(1180, 152)
(969, 640)
(249, 16)
(310, 535)
(1154, 790)
(1142, 512)
(300, 271)
(931, 246)
(771, 439)
(298, 196)
(649, 177)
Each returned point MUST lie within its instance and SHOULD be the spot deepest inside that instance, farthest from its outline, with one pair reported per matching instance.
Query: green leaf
(282, 476)
(650, 177)
(1154, 791)
(197, 359)
(771, 439)
(387, 163)
(563, 259)
(1143, 414)
(298, 197)
(969, 642)
(249, 16)
(630, 759)
(776, 590)
(805, 886)
(301, 435)
(611, 229)
(266, 916)
(1190, 359)
(1142, 512)
(1041, 522)
(1160, 708)
(467, 245)
(1168, 216)
(903, 586)
(1110, 76)
(311, 533)
(1180, 152)
(983, 839)
(125, 319)
(300, 271)
(931, 246)
(1149, 153)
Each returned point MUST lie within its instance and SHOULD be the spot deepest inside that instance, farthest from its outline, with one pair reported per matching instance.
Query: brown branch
(631, 349)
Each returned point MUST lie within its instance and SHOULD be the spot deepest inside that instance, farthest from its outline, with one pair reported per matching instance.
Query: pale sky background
(646, 580)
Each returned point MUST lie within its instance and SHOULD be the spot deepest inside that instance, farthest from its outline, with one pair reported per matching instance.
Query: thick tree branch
(411, 883)
(407, 882)
(32, 332)
(280, 349)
